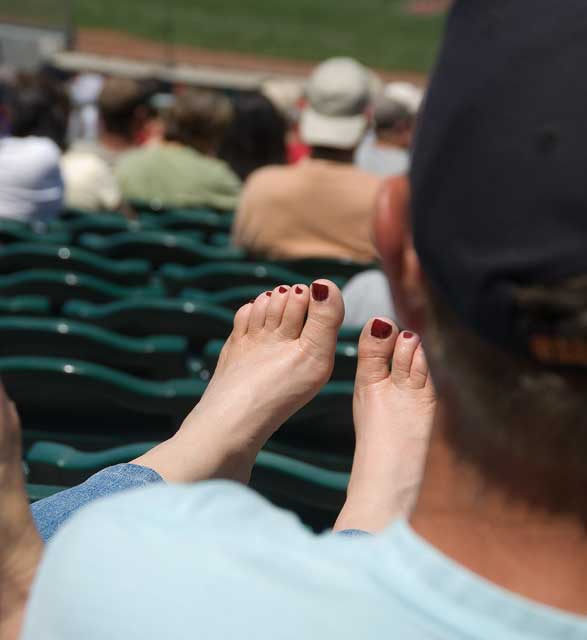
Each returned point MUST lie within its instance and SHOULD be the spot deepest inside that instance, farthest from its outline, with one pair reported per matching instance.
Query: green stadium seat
(326, 267)
(349, 334)
(103, 224)
(208, 222)
(161, 358)
(325, 423)
(21, 257)
(25, 305)
(196, 321)
(227, 275)
(315, 493)
(13, 231)
(159, 248)
(71, 397)
(60, 286)
(345, 363)
(233, 298)
(59, 464)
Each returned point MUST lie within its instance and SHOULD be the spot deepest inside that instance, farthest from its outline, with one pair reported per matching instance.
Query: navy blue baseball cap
(499, 172)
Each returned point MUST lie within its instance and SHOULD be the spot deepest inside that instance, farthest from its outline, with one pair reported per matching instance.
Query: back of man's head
(119, 103)
(499, 202)
(199, 118)
(37, 105)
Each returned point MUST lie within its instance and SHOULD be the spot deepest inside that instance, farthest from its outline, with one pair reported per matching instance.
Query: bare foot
(20, 544)
(279, 355)
(393, 415)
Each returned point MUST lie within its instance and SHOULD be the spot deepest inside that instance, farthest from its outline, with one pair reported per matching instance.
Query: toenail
(282, 290)
(252, 301)
(299, 290)
(408, 335)
(380, 329)
(269, 293)
(319, 291)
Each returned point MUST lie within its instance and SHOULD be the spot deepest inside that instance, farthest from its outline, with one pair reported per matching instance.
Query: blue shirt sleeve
(49, 514)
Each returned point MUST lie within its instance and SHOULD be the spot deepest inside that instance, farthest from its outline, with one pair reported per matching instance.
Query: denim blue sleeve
(49, 514)
(353, 533)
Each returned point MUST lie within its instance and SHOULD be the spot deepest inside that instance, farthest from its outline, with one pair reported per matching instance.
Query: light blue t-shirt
(216, 561)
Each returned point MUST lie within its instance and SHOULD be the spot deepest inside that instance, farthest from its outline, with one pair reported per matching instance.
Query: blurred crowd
(316, 153)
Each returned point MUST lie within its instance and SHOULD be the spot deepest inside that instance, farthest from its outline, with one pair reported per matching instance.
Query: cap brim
(317, 130)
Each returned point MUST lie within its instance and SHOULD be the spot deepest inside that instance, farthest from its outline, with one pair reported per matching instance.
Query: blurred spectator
(287, 96)
(181, 171)
(34, 114)
(90, 184)
(323, 205)
(39, 106)
(256, 137)
(84, 91)
(385, 150)
(88, 166)
(122, 111)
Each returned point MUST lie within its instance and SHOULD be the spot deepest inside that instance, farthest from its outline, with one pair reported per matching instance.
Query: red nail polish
(299, 290)
(282, 290)
(269, 293)
(252, 301)
(408, 335)
(380, 329)
(319, 291)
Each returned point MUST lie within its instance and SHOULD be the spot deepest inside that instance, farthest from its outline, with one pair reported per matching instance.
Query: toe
(419, 373)
(294, 314)
(403, 355)
(276, 307)
(259, 312)
(325, 314)
(376, 346)
(241, 320)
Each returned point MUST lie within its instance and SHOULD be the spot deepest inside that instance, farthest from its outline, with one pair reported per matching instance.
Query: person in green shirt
(182, 171)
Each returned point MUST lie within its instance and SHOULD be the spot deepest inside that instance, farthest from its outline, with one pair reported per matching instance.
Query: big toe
(376, 346)
(325, 315)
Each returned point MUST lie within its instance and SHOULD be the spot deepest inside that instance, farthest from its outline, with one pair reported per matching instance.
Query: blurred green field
(378, 32)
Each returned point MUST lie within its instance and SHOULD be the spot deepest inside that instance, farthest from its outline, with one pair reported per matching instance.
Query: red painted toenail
(252, 301)
(380, 329)
(319, 291)
(269, 293)
(408, 335)
(299, 290)
(282, 290)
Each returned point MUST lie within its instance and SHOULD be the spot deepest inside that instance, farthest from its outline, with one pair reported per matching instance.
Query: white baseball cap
(338, 94)
(406, 94)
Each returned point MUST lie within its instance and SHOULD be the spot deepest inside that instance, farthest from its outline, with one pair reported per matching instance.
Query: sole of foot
(393, 410)
(278, 356)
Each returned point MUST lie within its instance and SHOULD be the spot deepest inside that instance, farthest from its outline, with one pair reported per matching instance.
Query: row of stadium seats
(155, 357)
(110, 329)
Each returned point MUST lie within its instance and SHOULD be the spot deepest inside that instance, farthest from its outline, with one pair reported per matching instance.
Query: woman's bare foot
(279, 355)
(393, 415)
(20, 544)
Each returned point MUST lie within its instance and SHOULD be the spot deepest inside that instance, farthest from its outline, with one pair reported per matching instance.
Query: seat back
(196, 321)
(159, 248)
(156, 358)
(24, 256)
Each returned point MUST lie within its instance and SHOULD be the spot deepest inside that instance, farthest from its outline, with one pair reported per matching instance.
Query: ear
(393, 238)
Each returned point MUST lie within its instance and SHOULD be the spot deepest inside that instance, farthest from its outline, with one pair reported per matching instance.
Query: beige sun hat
(338, 95)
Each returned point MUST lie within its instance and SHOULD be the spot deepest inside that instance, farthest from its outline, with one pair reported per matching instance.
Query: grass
(377, 32)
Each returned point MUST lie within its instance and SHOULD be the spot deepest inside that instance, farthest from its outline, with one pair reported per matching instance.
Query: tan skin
(529, 552)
